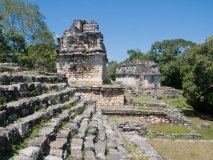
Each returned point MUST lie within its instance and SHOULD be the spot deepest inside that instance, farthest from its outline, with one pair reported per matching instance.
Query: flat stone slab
(65, 133)
(100, 147)
(102, 135)
(58, 153)
(76, 155)
(114, 157)
(31, 152)
(37, 142)
(46, 131)
(148, 151)
(73, 128)
(112, 144)
(20, 158)
(88, 144)
(49, 157)
(59, 143)
(122, 150)
(76, 144)
(89, 155)
(113, 151)
(100, 156)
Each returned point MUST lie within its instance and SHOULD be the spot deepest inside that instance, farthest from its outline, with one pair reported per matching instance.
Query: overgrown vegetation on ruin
(25, 37)
(28, 41)
(184, 65)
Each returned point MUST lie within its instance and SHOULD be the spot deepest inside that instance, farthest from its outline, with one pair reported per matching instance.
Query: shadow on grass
(192, 113)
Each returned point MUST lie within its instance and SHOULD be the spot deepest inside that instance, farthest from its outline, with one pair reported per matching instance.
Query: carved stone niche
(79, 45)
(92, 41)
(71, 39)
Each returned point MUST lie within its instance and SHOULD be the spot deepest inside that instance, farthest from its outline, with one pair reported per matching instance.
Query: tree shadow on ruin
(192, 113)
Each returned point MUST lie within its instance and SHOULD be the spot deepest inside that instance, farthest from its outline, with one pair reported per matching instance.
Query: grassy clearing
(120, 119)
(196, 118)
(207, 133)
(177, 102)
(168, 129)
(183, 150)
(141, 98)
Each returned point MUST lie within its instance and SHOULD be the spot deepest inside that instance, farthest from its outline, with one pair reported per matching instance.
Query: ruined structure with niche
(81, 54)
(143, 73)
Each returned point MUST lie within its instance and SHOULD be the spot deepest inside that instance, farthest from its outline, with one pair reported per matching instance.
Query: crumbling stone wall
(152, 117)
(81, 54)
(139, 73)
(86, 69)
(104, 96)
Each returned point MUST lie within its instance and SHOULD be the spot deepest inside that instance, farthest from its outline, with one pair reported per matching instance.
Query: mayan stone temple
(81, 54)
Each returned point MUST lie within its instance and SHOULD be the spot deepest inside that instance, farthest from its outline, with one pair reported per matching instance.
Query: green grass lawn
(121, 119)
(182, 150)
(177, 102)
(168, 129)
(196, 118)
(141, 98)
(207, 133)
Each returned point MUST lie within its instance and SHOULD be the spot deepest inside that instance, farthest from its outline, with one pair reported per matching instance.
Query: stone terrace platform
(111, 96)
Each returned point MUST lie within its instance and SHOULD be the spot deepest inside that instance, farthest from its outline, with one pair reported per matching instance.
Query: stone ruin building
(136, 72)
(81, 53)
(43, 117)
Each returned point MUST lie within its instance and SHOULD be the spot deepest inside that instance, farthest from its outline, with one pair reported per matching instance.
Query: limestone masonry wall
(81, 54)
(87, 70)
(104, 96)
(139, 73)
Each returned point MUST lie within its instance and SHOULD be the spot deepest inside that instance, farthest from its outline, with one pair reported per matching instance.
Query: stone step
(79, 141)
(27, 106)
(13, 92)
(7, 78)
(74, 146)
(115, 145)
(50, 131)
(147, 150)
(18, 131)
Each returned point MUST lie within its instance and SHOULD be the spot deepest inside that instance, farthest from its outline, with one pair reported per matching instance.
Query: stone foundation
(151, 117)
(104, 96)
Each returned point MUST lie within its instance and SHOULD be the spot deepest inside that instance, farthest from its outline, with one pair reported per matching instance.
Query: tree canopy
(183, 64)
(136, 54)
(197, 73)
(168, 56)
(168, 50)
(22, 27)
(111, 70)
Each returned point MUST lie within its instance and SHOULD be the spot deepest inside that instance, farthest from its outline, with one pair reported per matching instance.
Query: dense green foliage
(183, 64)
(24, 36)
(136, 54)
(197, 73)
(111, 70)
(168, 56)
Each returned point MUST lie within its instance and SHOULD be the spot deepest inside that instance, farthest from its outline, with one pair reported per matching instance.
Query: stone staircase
(43, 120)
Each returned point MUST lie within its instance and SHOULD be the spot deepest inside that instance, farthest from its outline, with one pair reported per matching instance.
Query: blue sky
(133, 24)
